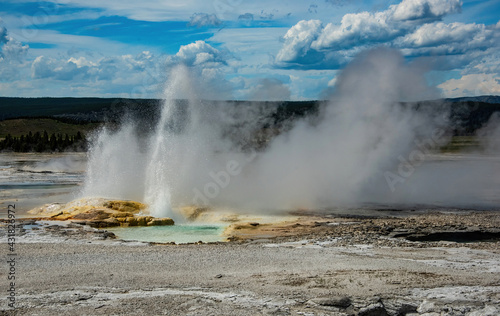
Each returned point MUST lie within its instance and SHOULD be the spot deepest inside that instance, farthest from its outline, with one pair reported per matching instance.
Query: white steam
(68, 164)
(116, 165)
(490, 134)
(362, 148)
(341, 160)
(270, 90)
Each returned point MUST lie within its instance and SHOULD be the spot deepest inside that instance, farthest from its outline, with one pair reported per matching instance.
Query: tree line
(42, 142)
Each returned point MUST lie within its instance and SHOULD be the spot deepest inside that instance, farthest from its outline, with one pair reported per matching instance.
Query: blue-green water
(182, 233)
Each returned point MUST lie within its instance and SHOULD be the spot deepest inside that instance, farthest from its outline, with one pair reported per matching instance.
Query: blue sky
(243, 49)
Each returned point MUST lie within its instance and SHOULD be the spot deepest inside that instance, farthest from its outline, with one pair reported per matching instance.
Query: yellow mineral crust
(99, 212)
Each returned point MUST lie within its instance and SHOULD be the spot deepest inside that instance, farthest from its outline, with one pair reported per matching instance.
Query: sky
(246, 50)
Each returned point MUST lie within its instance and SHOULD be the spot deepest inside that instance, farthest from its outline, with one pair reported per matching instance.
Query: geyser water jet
(120, 168)
(164, 149)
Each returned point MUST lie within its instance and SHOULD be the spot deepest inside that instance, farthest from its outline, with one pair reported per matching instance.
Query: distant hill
(105, 109)
(467, 113)
(493, 99)
(22, 126)
(88, 109)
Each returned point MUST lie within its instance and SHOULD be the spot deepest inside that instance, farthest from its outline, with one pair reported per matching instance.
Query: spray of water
(163, 147)
(363, 147)
(124, 165)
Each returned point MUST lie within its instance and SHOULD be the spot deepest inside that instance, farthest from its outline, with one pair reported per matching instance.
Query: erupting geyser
(364, 147)
(120, 168)
(165, 148)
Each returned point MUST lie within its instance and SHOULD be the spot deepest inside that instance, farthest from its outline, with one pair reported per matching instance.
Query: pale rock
(488, 310)
(161, 222)
(427, 307)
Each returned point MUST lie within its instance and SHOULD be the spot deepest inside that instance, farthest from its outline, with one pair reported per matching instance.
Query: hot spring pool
(179, 233)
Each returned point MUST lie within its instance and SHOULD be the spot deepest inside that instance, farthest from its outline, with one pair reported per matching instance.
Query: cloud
(470, 47)
(313, 8)
(246, 16)
(368, 27)
(425, 9)
(486, 65)
(141, 75)
(413, 26)
(356, 29)
(146, 10)
(3, 34)
(226, 10)
(472, 85)
(310, 46)
(199, 54)
(12, 55)
(329, 91)
(298, 41)
(463, 36)
(125, 75)
(44, 67)
(11, 49)
(208, 64)
(299, 52)
(65, 42)
(266, 16)
(204, 19)
(337, 2)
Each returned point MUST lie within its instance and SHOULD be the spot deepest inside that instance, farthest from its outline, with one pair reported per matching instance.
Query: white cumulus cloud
(468, 47)
(435, 34)
(472, 85)
(355, 29)
(298, 40)
(44, 67)
(199, 54)
(425, 9)
(369, 27)
(12, 55)
(11, 49)
(413, 26)
(126, 75)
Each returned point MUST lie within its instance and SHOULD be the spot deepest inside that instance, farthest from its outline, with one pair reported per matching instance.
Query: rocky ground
(430, 263)
(433, 228)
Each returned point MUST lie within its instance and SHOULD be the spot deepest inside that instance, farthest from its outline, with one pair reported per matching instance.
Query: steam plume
(362, 148)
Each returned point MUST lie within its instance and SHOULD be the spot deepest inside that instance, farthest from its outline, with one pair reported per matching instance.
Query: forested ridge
(62, 124)
(43, 142)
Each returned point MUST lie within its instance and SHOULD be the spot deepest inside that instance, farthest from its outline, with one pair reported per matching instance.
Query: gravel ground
(326, 269)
